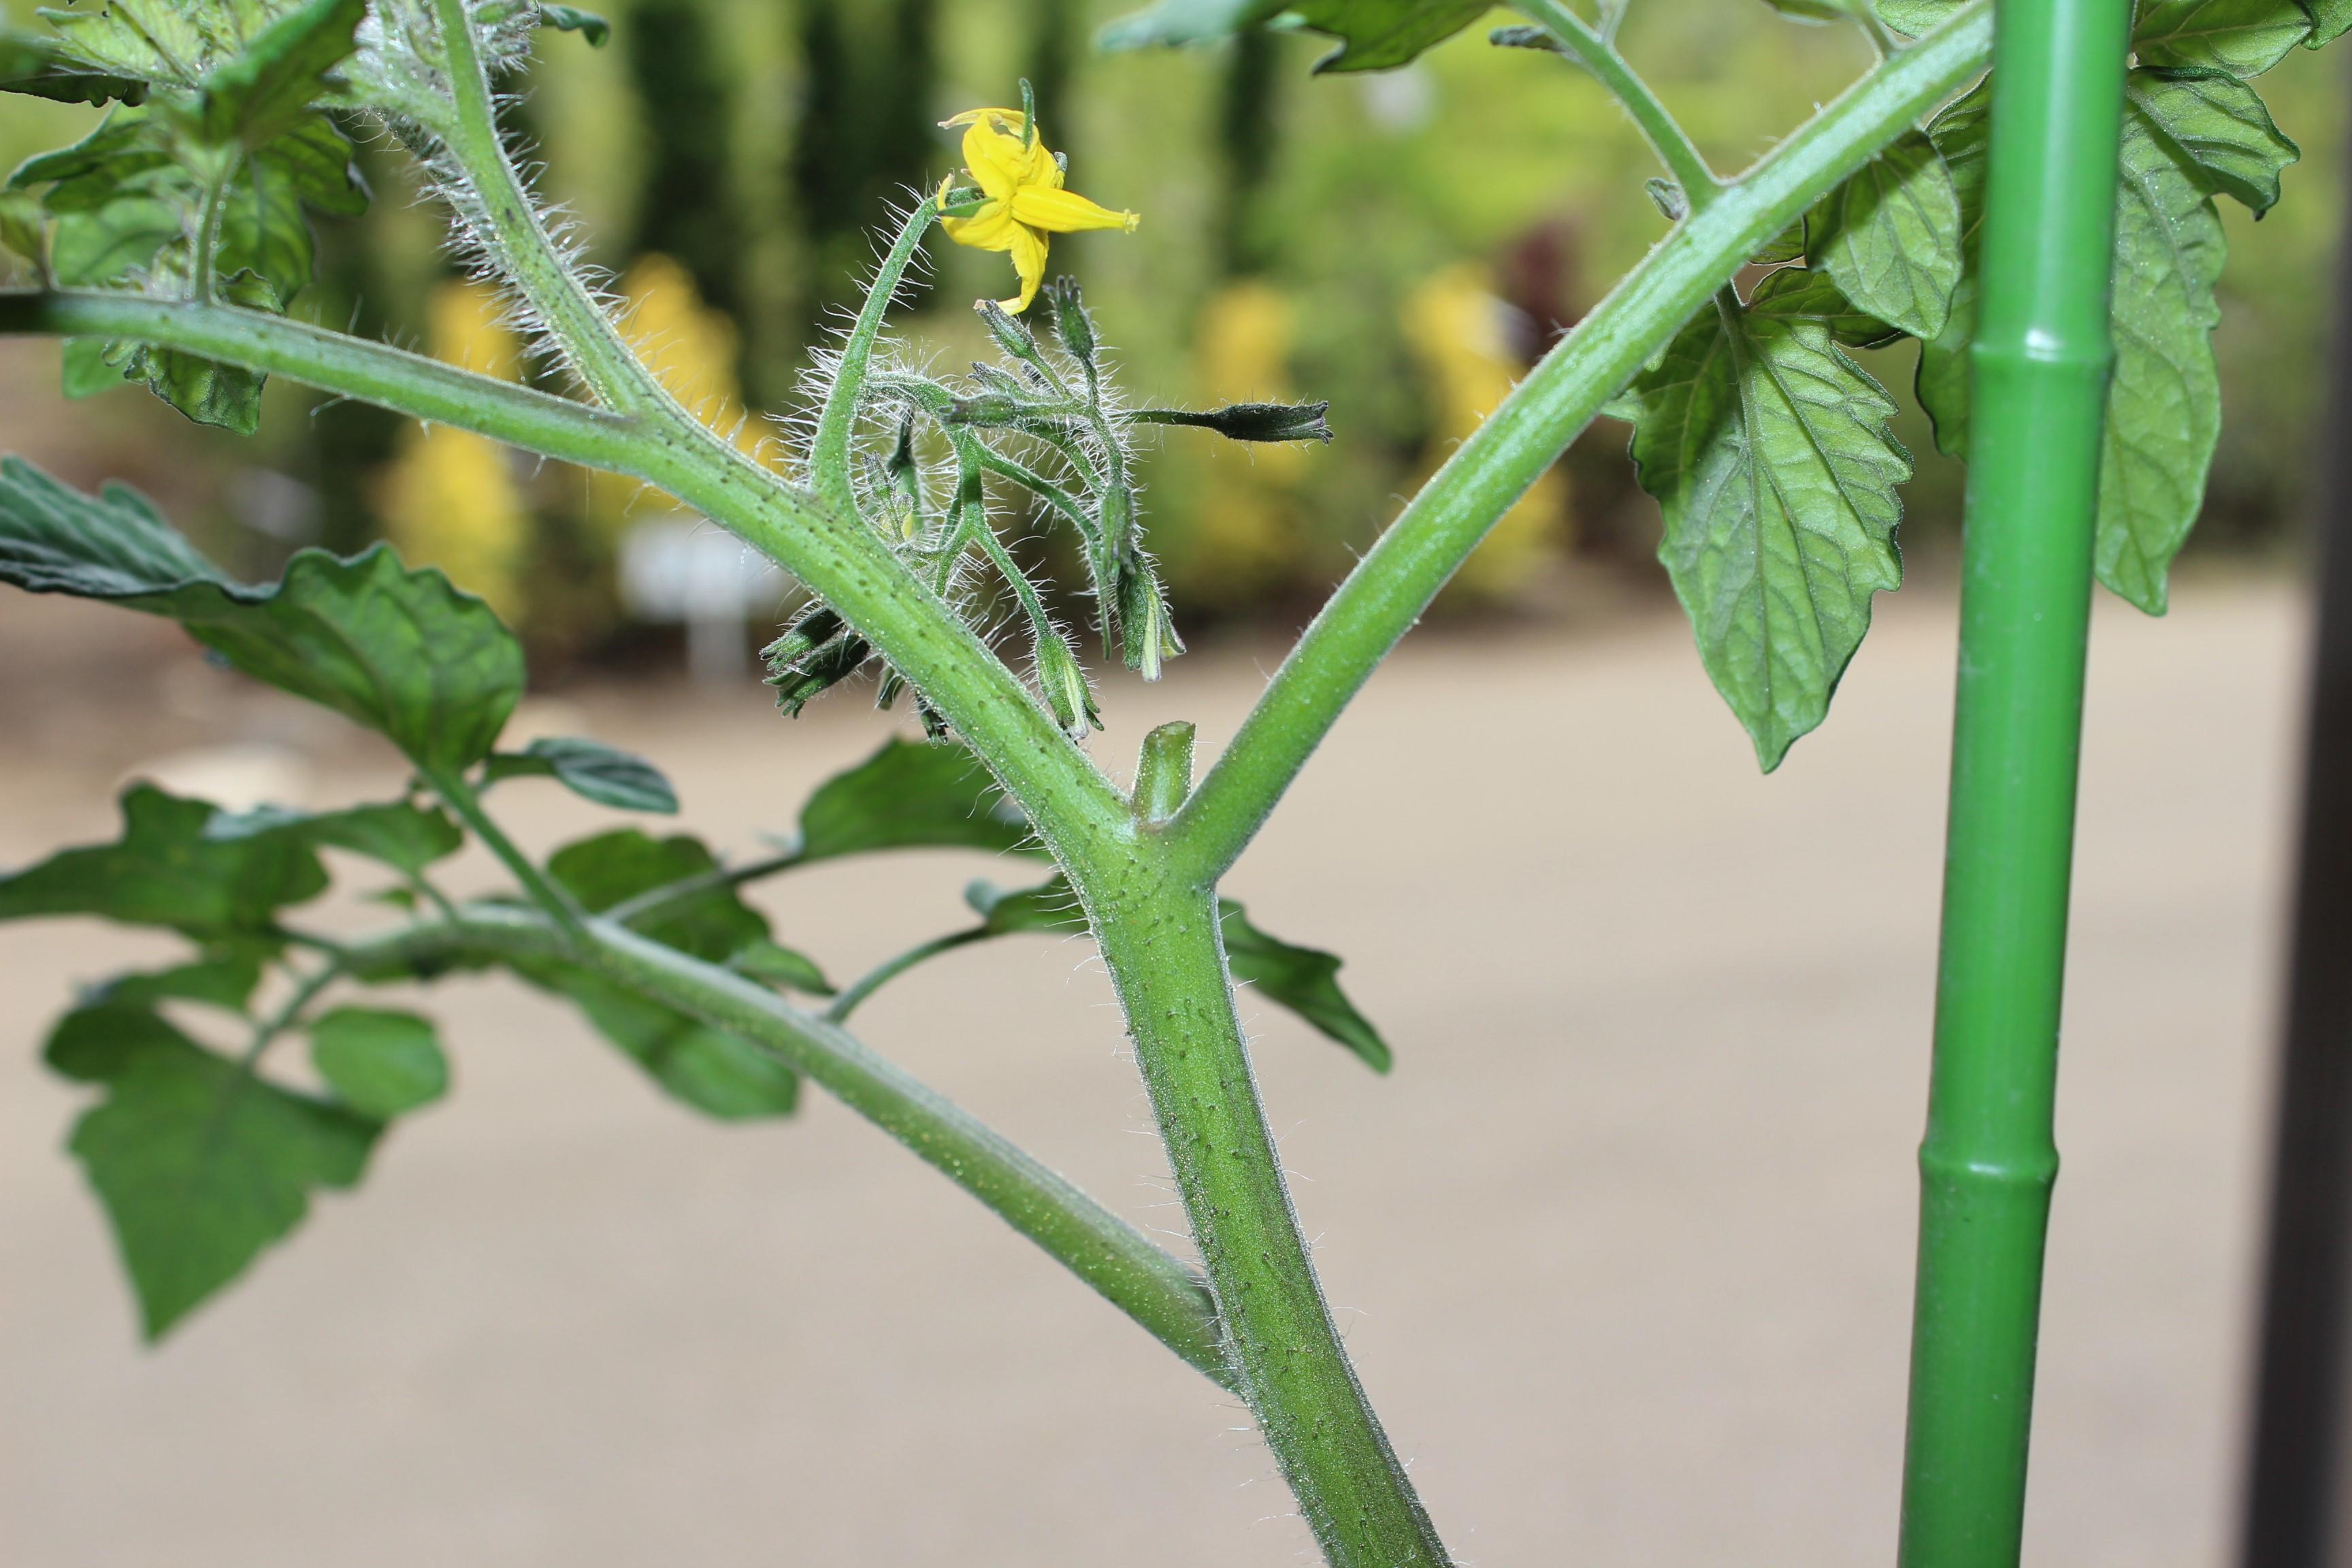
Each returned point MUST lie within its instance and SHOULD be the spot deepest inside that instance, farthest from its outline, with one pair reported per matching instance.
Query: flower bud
(1147, 632)
(1064, 686)
(1011, 336)
(817, 626)
(1246, 421)
(992, 408)
(1071, 322)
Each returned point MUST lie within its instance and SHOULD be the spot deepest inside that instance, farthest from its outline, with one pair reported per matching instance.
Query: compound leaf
(402, 652)
(1768, 452)
(381, 1064)
(165, 871)
(199, 1163)
(592, 771)
(912, 795)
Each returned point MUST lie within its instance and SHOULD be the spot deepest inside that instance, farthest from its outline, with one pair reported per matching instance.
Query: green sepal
(200, 1164)
(381, 1064)
(165, 870)
(404, 653)
(590, 770)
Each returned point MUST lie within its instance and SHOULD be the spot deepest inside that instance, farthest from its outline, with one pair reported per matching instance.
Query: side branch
(1386, 594)
(352, 367)
(1122, 1263)
(1665, 133)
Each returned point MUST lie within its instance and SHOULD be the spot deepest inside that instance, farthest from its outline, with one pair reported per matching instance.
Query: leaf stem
(1665, 133)
(882, 973)
(1394, 582)
(1118, 1261)
(541, 889)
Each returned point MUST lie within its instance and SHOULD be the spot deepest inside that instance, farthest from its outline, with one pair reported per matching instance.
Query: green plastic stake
(2041, 363)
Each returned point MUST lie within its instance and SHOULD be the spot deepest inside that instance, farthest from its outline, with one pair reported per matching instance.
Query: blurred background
(1624, 1247)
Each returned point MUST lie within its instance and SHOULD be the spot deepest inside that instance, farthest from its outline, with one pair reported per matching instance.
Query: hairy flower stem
(518, 242)
(829, 454)
(1166, 954)
(1108, 1254)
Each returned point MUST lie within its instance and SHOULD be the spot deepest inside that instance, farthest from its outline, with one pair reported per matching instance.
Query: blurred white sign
(681, 569)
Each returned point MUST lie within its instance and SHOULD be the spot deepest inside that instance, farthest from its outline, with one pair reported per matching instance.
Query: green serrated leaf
(1374, 35)
(590, 770)
(572, 19)
(155, 41)
(164, 872)
(771, 963)
(226, 980)
(912, 795)
(2164, 408)
(614, 868)
(2330, 21)
(381, 1064)
(1768, 452)
(402, 652)
(1961, 133)
(1176, 23)
(1890, 237)
(2220, 125)
(720, 1075)
(1381, 34)
(1811, 10)
(406, 837)
(200, 1164)
(268, 89)
(1050, 906)
(1304, 979)
(38, 69)
(2243, 37)
(1918, 18)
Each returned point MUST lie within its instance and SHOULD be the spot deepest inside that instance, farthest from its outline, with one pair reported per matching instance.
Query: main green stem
(2040, 363)
(1102, 1250)
(1165, 951)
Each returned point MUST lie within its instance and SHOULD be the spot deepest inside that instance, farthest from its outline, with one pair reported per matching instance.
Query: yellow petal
(1000, 164)
(1028, 260)
(990, 229)
(1065, 212)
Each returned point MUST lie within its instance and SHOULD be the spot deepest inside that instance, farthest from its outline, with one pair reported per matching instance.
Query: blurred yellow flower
(1023, 183)
(451, 499)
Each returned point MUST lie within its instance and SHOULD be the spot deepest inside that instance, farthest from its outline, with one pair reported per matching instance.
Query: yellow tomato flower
(1023, 183)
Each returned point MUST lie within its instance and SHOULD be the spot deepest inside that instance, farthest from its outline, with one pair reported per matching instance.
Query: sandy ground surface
(1624, 1247)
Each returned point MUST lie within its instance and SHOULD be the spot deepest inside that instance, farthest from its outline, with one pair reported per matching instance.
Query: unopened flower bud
(1064, 686)
(1011, 336)
(817, 626)
(1071, 322)
(1147, 634)
(991, 408)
